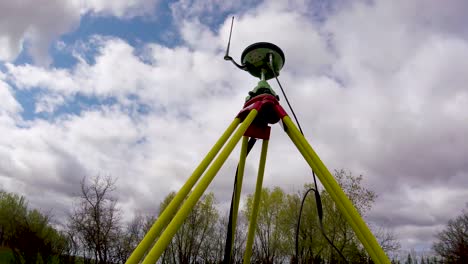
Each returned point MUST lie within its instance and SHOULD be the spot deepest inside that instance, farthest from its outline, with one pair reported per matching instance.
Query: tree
(96, 221)
(387, 239)
(240, 239)
(28, 233)
(72, 246)
(277, 220)
(273, 239)
(194, 242)
(335, 225)
(409, 259)
(452, 244)
(36, 240)
(13, 210)
(131, 236)
(423, 261)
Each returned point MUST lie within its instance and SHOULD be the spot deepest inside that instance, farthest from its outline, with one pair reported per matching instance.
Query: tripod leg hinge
(269, 112)
(261, 131)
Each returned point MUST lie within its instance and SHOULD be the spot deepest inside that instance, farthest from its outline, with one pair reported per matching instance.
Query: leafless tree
(95, 220)
(72, 246)
(240, 238)
(452, 244)
(129, 238)
(387, 239)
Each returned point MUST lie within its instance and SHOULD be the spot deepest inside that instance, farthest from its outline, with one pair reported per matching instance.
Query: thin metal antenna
(229, 58)
(226, 57)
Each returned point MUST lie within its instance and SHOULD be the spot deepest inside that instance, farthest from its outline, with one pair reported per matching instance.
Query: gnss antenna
(256, 58)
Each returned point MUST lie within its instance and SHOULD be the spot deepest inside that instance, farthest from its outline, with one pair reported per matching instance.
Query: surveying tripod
(261, 109)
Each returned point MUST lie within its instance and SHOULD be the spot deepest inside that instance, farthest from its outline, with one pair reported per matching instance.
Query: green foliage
(27, 233)
(277, 220)
(13, 210)
(193, 242)
(273, 239)
(6, 255)
(336, 227)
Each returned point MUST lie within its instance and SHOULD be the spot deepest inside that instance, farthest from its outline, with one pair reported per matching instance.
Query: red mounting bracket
(269, 112)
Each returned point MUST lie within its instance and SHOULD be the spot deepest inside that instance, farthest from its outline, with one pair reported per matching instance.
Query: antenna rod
(226, 57)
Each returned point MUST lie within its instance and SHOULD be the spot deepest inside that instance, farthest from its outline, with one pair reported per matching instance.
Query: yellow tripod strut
(171, 209)
(193, 198)
(332, 187)
(256, 203)
(240, 176)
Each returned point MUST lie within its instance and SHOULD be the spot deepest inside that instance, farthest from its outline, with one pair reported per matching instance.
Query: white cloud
(36, 23)
(301, 40)
(177, 85)
(404, 104)
(21, 21)
(207, 10)
(9, 104)
(119, 8)
(48, 103)
(9, 48)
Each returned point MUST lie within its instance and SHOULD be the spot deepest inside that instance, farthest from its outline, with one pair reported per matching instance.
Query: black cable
(287, 101)
(299, 224)
(322, 230)
(318, 199)
(228, 244)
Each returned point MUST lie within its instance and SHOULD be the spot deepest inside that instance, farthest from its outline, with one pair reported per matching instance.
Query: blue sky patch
(137, 31)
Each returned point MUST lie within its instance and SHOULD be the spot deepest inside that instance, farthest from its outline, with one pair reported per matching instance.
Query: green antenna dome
(256, 59)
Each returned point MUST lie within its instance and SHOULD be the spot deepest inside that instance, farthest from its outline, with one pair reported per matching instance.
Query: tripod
(260, 110)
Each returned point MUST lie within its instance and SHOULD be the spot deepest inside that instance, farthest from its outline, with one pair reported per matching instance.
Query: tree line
(94, 231)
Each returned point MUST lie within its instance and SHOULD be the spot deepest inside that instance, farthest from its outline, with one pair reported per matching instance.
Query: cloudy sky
(139, 90)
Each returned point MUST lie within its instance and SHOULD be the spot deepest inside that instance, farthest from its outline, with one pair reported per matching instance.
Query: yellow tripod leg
(193, 198)
(240, 176)
(167, 214)
(256, 203)
(343, 203)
